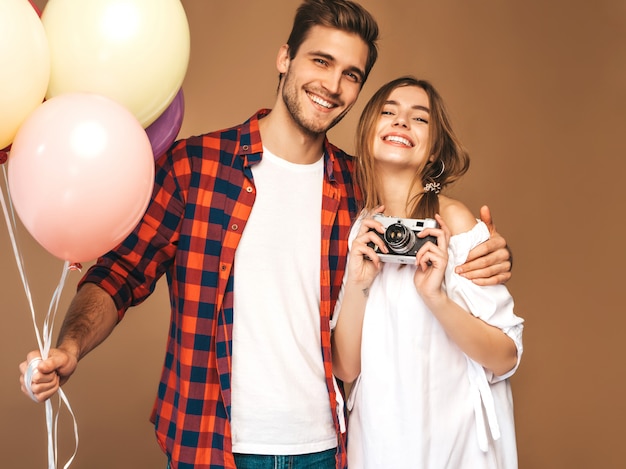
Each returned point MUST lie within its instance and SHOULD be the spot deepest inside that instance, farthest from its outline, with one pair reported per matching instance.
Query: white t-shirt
(419, 401)
(279, 396)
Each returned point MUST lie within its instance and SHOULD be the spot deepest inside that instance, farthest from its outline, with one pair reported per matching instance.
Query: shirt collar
(251, 146)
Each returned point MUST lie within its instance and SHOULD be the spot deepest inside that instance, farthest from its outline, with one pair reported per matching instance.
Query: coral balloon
(163, 131)
(25, 62)
(81, 174)
(133, 51)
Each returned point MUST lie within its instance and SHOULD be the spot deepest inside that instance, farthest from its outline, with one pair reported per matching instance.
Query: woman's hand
(431, 261)
(363, 261)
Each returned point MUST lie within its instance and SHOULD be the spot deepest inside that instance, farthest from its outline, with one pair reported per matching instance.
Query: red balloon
(36, 8)
(163, 131)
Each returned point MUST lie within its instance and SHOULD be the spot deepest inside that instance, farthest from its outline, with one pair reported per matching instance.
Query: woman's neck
(394, 196)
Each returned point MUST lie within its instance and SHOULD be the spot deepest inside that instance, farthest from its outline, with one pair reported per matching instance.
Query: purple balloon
(163, 131)
(4, 154)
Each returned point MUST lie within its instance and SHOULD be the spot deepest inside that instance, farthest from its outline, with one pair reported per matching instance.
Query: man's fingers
(29, 375)
(494, 250)
(39, 387)
(495, 263)
(41, 393)
(39, 378)
(477, 253)
(485, 216)
(487, 281)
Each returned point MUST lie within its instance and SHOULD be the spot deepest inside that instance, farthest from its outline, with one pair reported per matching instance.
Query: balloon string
(48, 326)
(63, 399)
(12, 226)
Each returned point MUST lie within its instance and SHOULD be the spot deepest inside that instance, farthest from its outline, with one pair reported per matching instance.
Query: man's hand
(48, 375)
(489, 263)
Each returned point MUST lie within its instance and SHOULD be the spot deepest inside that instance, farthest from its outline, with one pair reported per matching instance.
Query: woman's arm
(346, 337)
(485, 344)
(363, 266)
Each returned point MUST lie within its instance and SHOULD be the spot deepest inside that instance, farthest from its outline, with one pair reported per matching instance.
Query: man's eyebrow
(417, 107)
(331, 58)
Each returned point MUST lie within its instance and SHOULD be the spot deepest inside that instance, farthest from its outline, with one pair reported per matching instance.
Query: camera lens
(399, 238)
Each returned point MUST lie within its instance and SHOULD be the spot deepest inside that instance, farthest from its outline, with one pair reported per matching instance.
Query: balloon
(80, 174)
(163, 131)
(25, 62)
(4, 154)
(35, 7)
(135, 52)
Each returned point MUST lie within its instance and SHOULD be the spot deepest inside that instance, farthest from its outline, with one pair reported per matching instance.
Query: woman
(430, 353)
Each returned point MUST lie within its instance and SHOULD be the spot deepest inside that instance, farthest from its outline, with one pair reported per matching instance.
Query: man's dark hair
(343, 15)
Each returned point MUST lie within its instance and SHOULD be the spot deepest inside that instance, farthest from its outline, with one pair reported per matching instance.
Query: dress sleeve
(493, 304)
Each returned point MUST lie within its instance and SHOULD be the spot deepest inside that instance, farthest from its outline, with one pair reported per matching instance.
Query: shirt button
(245, 148)
(249, 189)
(235, 227)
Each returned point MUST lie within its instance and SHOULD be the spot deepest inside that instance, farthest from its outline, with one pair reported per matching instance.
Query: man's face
(322, 82)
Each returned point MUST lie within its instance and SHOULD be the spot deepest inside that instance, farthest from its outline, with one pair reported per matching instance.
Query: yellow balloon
(133, 51)
(24, 65)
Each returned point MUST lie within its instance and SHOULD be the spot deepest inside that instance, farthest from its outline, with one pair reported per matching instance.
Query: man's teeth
(320, 101)
(395, 138)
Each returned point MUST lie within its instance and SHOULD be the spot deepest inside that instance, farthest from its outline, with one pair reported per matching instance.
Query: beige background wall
(537, 92)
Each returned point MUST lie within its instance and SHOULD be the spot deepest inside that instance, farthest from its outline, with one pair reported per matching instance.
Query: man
(250, 225)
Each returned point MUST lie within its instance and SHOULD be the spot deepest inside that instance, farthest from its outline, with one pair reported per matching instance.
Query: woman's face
(401, 139)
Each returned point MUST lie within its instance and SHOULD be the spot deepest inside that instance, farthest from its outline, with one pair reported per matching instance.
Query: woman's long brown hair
(445, 148)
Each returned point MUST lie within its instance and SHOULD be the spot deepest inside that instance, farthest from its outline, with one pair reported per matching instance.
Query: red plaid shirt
(203, 196)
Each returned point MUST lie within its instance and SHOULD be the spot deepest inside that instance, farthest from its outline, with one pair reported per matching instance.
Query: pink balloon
(81, 174)
(163, 131)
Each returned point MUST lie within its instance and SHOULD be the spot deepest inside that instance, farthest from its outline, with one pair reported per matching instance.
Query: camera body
(401, 239)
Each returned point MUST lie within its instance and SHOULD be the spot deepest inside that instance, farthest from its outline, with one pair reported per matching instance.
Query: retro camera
(401, 239)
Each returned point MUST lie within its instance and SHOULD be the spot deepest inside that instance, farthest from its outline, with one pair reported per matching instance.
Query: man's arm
(90, 319)
(489, 263)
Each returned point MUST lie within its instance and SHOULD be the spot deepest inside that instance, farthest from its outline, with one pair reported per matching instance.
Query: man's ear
(282, 59)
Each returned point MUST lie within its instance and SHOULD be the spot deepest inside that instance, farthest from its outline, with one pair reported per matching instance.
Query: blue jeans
(321, 460)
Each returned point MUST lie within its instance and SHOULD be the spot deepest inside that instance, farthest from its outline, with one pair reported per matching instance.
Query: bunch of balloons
(90, 95)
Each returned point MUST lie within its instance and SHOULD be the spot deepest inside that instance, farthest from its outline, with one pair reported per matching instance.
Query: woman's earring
(443, 167)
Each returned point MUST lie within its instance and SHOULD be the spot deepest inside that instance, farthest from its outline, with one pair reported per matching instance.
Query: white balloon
(25, 62)
(133, 51)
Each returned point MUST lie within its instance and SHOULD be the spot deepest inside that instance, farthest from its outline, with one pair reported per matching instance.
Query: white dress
(419, 401)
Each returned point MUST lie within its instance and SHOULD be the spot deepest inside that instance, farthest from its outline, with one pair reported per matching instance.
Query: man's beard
(313, 127)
